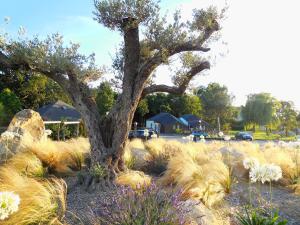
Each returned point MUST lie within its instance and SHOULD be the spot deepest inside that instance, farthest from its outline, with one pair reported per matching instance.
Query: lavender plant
(151, 206)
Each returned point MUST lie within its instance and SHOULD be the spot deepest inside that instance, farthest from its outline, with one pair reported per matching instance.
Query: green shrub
(253, 217)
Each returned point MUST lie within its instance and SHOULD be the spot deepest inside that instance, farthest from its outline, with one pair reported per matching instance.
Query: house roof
(165, 118)
(193, 120)
(59, 111)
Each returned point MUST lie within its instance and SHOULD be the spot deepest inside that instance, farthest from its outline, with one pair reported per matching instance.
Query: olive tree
(139, 57)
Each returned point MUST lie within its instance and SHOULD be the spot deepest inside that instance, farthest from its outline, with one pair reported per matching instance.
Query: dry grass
(41, 201)
(61, 158)
(27, 164)
(134, 179)
(201, 178)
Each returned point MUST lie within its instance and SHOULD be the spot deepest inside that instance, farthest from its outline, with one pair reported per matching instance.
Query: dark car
(244, 136)
(142, 134)
(198, 134)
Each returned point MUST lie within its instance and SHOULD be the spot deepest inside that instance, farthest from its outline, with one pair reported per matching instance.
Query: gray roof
(59, 111)
(194, 120)
(165, 118)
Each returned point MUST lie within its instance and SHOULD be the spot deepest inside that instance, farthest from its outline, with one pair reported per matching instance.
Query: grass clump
(253, 217)
(201, 178)
(134, 179)
(61, 158)
(41, 201)
(27, 164)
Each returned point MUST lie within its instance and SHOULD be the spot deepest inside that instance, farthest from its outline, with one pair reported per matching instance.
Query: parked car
(198, 134)
(142, 134)
(244, 136)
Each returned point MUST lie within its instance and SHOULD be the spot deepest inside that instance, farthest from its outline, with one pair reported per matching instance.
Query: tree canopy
(260, 109)
(160, 40)
(217, 102)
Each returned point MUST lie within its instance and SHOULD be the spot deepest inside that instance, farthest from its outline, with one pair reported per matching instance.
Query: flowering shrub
(250, 163)
(265, 173)
(9, 204)
(150, 206)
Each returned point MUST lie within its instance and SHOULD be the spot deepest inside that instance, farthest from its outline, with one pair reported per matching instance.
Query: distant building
(59, 111)
(167, 122)
(194, 122)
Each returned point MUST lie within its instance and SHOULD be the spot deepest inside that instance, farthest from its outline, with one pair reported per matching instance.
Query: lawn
(261, 135)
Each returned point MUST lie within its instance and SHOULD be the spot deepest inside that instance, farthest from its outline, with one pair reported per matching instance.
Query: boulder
(28, 122)
(198, 213)
(141, 157)
(26, 126)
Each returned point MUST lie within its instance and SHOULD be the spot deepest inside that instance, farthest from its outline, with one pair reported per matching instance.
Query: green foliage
(158, 103)
(260, 109)
(105, 98)
(3, 115)
(110, 13)
(98, 171)
(216, 103)
(287, 116)
(10, 105)
(33, 91)
(142, 108)
(185, 104)
(255, 218)
(177, 105)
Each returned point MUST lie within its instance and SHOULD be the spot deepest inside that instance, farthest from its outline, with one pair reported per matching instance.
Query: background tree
(260, 109)
(217, 102)
(287, 116)
(33, 91)
(157, 103)
(10, 106)
(73, 71)
(185, 104)
(141, 111)
(105, 98)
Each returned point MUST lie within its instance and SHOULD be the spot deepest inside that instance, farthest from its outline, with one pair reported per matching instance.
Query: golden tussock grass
(41, 201)
(61, 158)
(27, 164)
(134, 179)
(200, 178)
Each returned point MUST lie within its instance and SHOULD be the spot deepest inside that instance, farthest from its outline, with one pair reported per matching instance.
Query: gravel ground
(80, 203)
(283, 199)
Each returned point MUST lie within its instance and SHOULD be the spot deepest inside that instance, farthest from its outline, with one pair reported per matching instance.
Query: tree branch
(55, 74)
(183, 86)
(193, 45)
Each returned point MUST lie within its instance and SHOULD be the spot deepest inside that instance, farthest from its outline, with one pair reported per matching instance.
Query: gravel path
(283, 199)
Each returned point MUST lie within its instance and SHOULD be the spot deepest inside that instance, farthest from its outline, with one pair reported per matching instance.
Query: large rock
(28, 122)
(26, 126)
(141, 157)
(198, 213)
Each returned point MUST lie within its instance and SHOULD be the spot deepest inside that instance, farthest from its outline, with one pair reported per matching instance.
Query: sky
(262, 39)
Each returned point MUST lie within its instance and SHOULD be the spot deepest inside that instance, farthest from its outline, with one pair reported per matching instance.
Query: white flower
(254, 174)
(227, 138)
(48, 132)
(250, 163)
(274, 172)
(265, 173)
(9, 204)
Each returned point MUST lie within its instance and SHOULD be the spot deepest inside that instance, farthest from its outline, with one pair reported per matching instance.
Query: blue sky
(262, 36)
